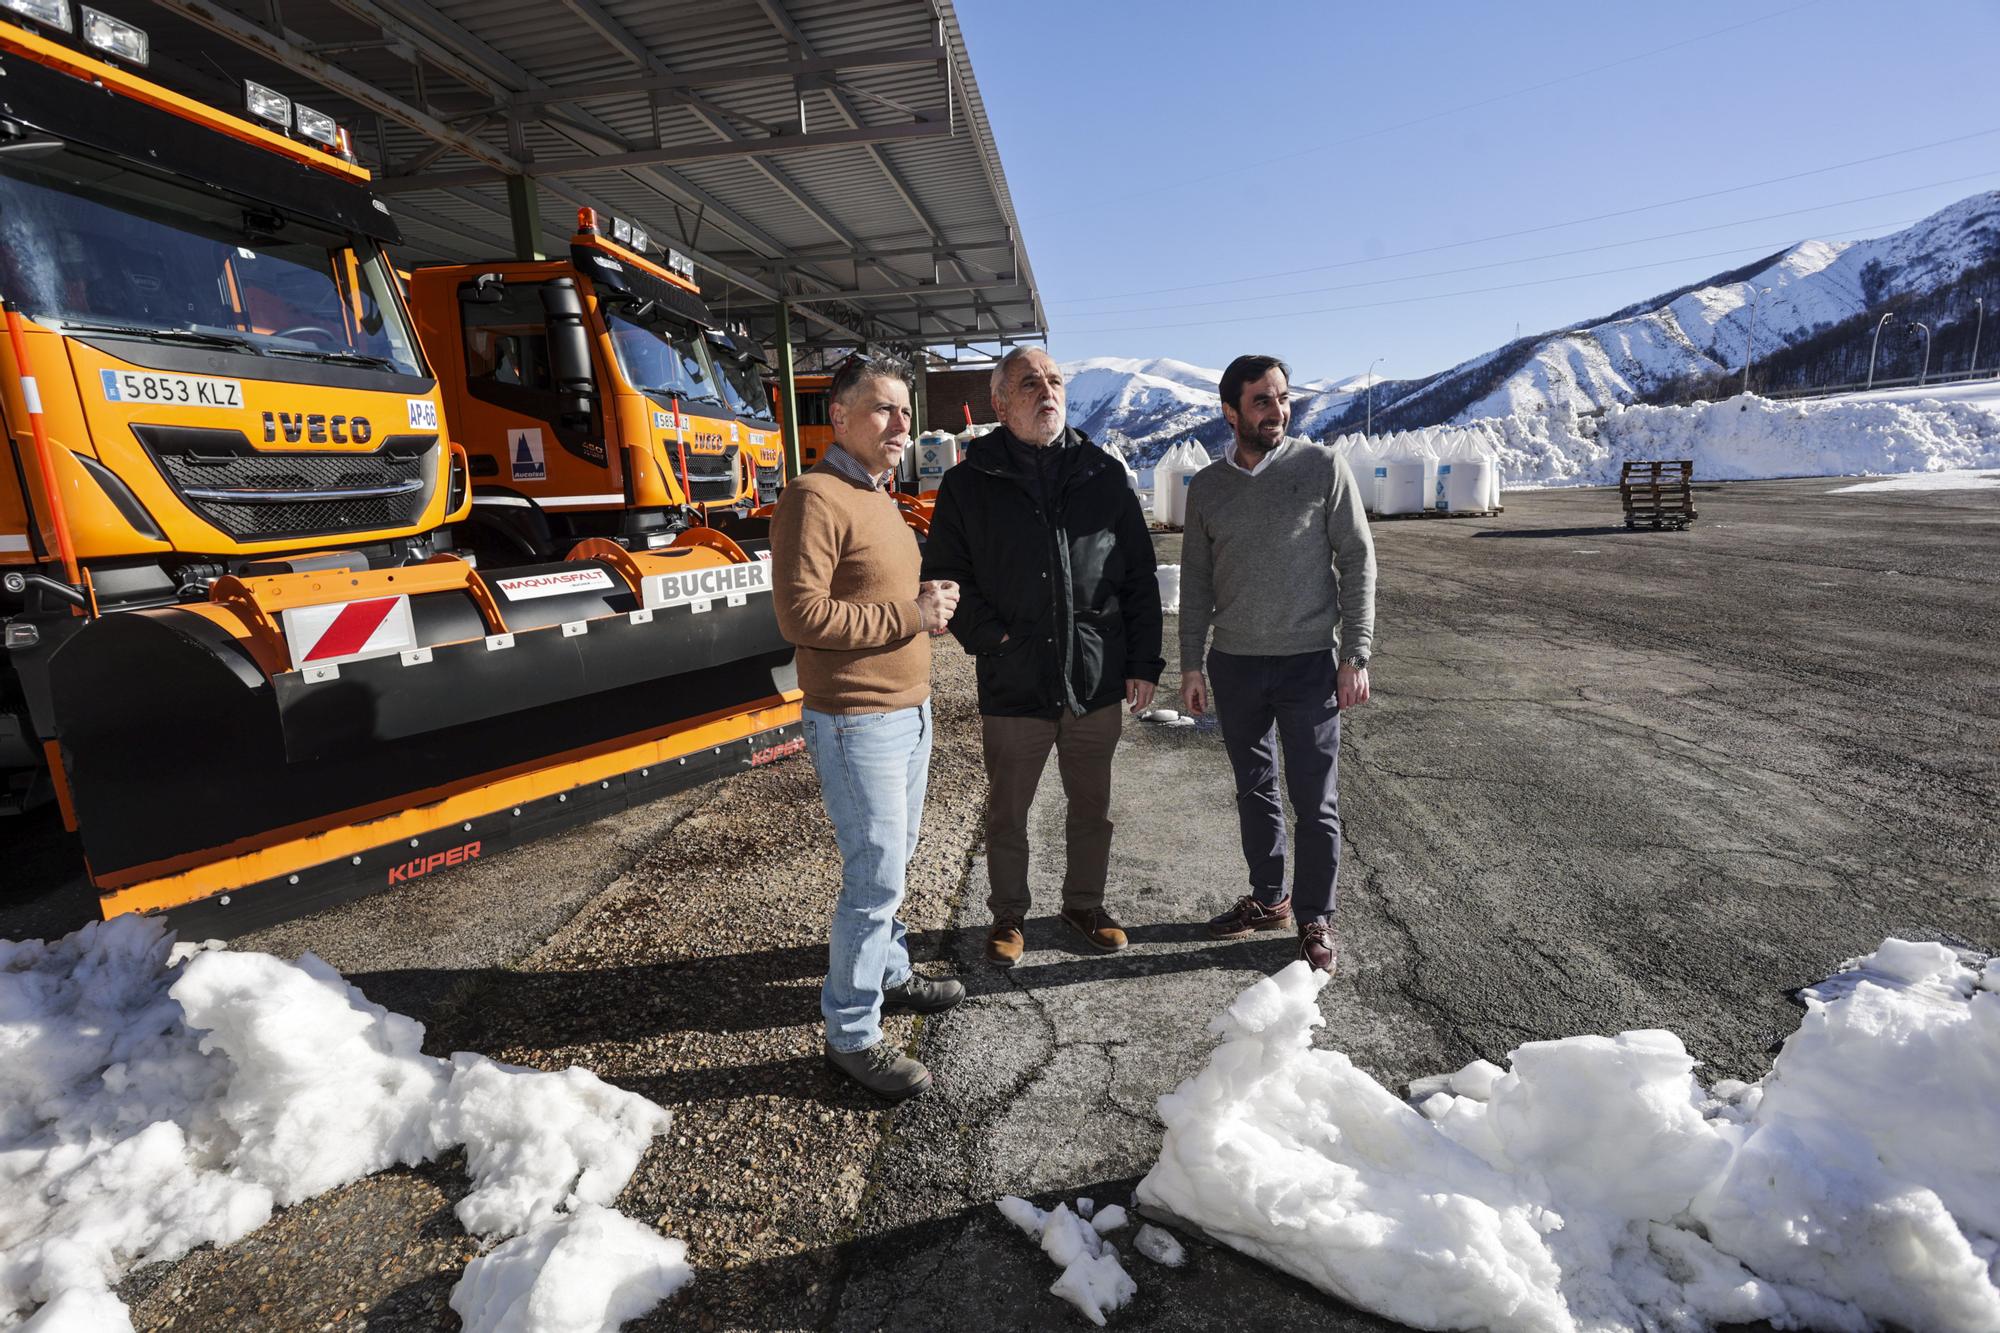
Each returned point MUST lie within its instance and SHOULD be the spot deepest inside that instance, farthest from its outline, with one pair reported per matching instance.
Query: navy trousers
(1291, 703)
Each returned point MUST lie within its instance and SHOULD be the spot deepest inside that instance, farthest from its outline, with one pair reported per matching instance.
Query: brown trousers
(1017, 749)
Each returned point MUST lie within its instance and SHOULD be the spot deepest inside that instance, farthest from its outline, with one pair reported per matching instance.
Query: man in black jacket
(1059, 603)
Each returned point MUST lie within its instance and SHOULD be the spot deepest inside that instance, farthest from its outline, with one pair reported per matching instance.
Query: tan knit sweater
(844, 572)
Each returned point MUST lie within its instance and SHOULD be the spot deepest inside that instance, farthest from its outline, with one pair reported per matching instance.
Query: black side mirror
(569, 349)
(486, 289)
(569, 340)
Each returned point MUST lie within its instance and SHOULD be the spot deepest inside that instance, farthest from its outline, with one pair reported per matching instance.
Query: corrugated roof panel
(429, 108)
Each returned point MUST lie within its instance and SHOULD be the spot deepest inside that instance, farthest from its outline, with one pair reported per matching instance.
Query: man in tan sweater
(844, 568)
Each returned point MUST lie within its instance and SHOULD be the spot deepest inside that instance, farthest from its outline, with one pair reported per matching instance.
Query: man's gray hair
(1007, 363)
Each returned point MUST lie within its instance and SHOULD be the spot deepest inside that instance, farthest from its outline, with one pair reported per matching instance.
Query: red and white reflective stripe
(349, 631)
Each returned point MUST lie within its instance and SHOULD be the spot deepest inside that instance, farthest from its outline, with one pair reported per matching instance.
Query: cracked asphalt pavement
(1608, 780)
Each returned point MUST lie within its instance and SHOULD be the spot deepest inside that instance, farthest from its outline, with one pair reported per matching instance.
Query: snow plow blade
(306, 738)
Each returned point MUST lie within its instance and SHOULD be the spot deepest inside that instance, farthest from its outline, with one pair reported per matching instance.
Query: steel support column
(788, 396)
(524, 212)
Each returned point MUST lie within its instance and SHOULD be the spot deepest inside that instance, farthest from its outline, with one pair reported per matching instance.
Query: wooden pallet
(1658, 494)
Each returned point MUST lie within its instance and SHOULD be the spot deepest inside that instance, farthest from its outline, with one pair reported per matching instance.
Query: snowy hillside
(1130, 403)
(1807, 290)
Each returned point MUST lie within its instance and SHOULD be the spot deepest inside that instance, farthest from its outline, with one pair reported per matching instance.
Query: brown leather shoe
(1318, 945)
(1004, 943)
(1098, 927)
(1249, 916)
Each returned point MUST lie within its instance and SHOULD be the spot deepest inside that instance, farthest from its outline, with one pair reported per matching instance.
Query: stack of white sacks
(1171, 476)
(1449, 469)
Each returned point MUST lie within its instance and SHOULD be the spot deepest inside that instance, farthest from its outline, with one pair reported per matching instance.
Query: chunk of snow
(1159, 1246)
(1476, 1080)
(588, 1271)
(1598, 1185)
(537, 1140)
(1096, 1285)
(326, 1087)
(1169, 577)
(1092, 1278)
(1067, 1238)
(160, 1097)
(81, 1310)
(1023, 1215)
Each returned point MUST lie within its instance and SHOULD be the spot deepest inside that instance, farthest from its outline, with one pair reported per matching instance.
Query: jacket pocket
(1013, 677)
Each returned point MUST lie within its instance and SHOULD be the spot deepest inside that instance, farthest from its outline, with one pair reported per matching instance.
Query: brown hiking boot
(1318, 946)
(1098, 927)
(921, 995)
(1004, 944)
(1249, 916)
(883, 1070)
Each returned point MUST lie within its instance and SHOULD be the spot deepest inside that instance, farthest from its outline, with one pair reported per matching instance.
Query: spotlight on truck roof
(621, 231)
(268, 104)
(115, 37)
(54, 13)
(639, 238)
(317, 126)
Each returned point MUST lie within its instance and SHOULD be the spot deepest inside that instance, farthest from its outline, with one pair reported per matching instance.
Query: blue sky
(1158, 145)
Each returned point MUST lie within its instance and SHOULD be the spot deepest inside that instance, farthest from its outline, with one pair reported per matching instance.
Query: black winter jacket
(1057, 595)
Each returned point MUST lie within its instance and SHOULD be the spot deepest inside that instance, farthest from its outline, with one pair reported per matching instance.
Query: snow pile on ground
(1092, 1278)
(1597, 1184)
(160, 1098)
(1955, 479)
(1751, 438)
(577, 1272)
(1170, 588)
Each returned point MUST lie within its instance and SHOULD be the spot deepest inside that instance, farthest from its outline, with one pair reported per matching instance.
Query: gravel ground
(1610, 780)
(692, 980)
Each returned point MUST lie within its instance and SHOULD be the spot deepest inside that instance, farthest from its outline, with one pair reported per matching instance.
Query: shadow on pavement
(1608, 530)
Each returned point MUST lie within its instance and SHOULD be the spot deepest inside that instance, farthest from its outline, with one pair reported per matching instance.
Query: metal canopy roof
(833, 152)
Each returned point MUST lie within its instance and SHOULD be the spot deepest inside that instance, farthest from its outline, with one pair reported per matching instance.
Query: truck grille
(713, 476)
(256, 496)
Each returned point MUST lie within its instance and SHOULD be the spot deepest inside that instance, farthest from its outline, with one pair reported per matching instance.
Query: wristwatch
(1358, 663)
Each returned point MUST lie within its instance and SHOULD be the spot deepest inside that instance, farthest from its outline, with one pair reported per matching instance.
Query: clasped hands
(937, 600)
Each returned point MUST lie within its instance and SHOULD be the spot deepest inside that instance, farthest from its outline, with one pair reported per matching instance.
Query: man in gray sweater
(1277, 560)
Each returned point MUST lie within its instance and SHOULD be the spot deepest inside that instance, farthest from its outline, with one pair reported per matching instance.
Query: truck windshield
(107, 250)
(663, 360)
(743, 387)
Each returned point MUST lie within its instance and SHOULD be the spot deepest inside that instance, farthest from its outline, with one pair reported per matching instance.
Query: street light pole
(1972, 366)
(1750, 339)
(1370, 428)
(1926, 374)
(1887, 316)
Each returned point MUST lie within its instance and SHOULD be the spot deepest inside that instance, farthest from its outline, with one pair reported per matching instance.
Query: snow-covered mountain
(1807, 291)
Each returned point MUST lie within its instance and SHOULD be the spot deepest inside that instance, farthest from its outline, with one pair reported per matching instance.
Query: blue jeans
(872, 768)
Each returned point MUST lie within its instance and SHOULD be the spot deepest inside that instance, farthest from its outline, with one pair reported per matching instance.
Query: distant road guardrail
(1907, 382)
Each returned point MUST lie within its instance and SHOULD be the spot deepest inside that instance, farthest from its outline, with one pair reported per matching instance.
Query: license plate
(133, 386)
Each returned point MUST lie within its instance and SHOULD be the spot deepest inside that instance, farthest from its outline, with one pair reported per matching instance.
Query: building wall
(947, 394)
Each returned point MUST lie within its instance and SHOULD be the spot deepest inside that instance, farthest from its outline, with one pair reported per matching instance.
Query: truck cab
(741, 367)
(585, 393)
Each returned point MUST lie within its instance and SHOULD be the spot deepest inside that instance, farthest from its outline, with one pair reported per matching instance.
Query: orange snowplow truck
(595, 396)
(240, 650)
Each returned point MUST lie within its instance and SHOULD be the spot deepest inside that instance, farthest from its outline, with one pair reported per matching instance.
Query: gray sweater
(1278, 563)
